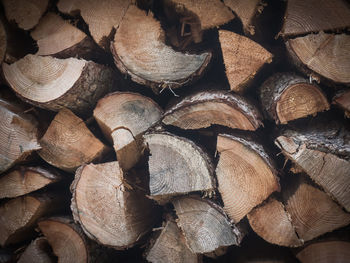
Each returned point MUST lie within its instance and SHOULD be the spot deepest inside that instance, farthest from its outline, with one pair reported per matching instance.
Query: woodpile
(174, 131)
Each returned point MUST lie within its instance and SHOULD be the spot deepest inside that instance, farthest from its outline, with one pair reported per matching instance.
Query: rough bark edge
(338, 95)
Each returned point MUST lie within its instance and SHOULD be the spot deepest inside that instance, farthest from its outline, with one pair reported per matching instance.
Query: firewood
(102, 16)
(38, 251)
(177, 166)
(245, 173)
(242, 58)
(287, 96)
(312, 211)
(24, 180)
(272, 222)
(204, 225)
(327, 55)
(207, 108)
(18, 134)
(57, 37)
(170, 246)
(26, 13)
(52, 83)
(110, 210)
(139, 50)
(342, 100)
(3, 42)
(321, 153)
(123, 117)
(19, 216)
(303, 17)
(68, 143)
(325, 251)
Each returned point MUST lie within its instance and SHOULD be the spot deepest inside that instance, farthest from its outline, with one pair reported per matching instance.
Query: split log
(242, 58)
(38, 251)
(177, 166)
(57, 37)
(24, 180)
(139, 50)
(18, 134)
(312, 211)
(327, 55)
(19, 216)
(53, 84)
(321, 153)
(3, 42)
(272, 222)
(205, 227)
(342, 100)
(26, 13)
(245, 173)
(207, 108)
(102, 17)
(326, 251)
(286, 97)
(304, 17)
(123, 117)
(170, 246)
(109, 209)
(68, 143)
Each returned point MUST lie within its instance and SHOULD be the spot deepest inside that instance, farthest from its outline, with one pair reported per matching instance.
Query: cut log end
(3, 42)
(38, 251)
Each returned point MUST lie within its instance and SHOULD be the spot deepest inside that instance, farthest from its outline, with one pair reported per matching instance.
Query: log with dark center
(24, 180)
(207, 108)
(286, 97)
(139, 50)
(52, 83)
(18, 132)
(177, 166)
(342, 100)
(111, 208)
(205, 226)
(38, 250)
(242, 58)
(245, 173)
(325, 54)
(68, 143)
(123, 117)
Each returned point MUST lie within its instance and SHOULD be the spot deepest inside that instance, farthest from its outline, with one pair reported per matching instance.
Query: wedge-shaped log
(287, 96)
(19, 216)
(325, 54)
(139, 50)
(321, 153)
(18, 134)
(24, 180)
(245, 173)
(272, 222)
(205, 226)
(26, 13)
(342, 100)
(101, 16)
(52, 83)
(37, 251)
(207, 108)
(303, 17)
(242, 58)
(123, 117)
(170, 246)
(110, 210)
(177, 166)
(68, 143)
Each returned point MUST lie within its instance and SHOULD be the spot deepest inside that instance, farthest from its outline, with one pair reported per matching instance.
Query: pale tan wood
(68, 143)
(242, 58)
(111, 208)
(38, 250)
(26, 13)
(271, 222)
(123, 117)
(18, 134)
(205, 227)
(326, 54)
(246, 175)
(324, 252)
(24, 180)
(139, 50)
(177, 166)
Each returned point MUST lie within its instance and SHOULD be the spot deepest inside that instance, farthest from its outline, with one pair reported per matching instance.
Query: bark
(342, 100)
(3, 42)
(38, 250)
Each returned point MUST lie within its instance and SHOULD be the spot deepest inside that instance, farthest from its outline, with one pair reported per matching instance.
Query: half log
(38, 250)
